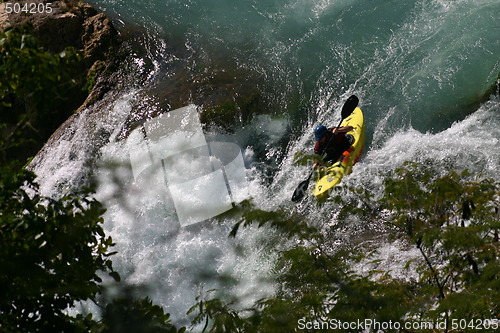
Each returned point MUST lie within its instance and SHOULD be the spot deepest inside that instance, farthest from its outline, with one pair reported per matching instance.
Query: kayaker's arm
(318, 150)
(343, 129)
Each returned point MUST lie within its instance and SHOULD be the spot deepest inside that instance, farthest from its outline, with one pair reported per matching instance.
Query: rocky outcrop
(4, 17)
(72, 23)
(98, 36)
(69, 23)
(493, 90)
(229, 97)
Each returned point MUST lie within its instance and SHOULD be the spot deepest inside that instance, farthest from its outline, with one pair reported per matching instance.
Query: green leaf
(115, 276)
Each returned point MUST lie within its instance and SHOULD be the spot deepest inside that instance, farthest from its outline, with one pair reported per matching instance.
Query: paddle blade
(301, 190)
(349, 106)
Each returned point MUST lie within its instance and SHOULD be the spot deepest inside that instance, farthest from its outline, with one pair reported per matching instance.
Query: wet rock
(70, 23)
(98, 36)
(67, 24)
(228, 98)
(493, 90)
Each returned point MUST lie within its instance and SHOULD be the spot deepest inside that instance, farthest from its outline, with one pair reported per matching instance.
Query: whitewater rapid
(178, 264)
(408, 65)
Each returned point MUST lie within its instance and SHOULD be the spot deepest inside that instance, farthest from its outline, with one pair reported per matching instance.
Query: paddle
(349, 106)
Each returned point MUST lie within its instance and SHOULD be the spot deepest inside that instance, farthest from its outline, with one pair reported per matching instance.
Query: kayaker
(332, 142)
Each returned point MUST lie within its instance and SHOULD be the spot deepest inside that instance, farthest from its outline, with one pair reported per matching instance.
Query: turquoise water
(415, 65)
(423, 58)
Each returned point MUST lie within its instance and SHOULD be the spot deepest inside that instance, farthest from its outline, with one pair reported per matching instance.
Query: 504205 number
(28, 8)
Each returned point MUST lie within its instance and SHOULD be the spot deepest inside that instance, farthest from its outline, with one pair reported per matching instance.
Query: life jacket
(333, 147)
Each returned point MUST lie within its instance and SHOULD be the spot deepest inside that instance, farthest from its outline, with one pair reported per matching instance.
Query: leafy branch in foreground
(54, 253)
(50, 253)
(291, 226)
(314, 283)
(38, 91)
(451, 220)
(128, 313)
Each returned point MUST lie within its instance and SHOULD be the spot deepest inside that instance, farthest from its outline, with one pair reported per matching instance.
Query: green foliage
(54, 253)
(92, 75)
(128, 314)
(50, 253)
(307, 160)
(38, 90)
(32, 74)
(452, 220)
(314, 283)
(224, 318)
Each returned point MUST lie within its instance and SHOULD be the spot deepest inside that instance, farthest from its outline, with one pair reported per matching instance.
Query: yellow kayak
(329, 176)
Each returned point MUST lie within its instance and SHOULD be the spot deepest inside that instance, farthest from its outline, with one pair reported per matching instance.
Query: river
(416, 66)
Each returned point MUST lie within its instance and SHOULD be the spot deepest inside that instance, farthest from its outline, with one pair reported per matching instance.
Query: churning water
(415, 65)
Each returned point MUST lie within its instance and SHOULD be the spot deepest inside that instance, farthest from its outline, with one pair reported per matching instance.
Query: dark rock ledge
(71, 23)
(226, 100)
